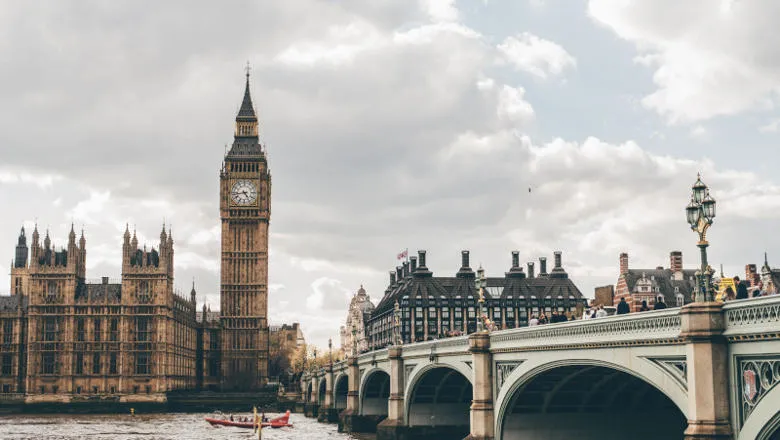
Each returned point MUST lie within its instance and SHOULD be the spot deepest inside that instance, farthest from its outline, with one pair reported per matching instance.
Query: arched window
(680, 298)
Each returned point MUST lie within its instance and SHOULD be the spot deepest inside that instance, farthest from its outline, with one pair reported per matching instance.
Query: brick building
(675, 284)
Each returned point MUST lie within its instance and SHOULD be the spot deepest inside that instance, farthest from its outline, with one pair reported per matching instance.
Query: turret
(20, 260)
(193, 293)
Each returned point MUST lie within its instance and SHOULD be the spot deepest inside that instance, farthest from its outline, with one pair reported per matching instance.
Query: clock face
(243, 192)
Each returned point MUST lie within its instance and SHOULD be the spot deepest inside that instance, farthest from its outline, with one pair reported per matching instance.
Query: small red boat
(279, 422)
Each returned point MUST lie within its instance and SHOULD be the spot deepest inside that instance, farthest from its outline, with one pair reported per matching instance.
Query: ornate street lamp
(700, 214)
(354, 340)
(480, 282)
(314, 364)
(330, 352)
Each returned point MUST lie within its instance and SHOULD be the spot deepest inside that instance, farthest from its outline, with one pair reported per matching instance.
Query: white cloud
(441, 10)
(708, 61)
(770, 127)
(699, 133)
(512, 106)
(535, 55)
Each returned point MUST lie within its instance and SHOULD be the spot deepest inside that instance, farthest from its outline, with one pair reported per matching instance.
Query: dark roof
(246, 148)
(247, 110)
(422, 286)
(10, 303)
(662, 279)
(99, 292)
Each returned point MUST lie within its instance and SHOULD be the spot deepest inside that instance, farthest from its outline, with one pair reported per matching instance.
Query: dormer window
(679, 298)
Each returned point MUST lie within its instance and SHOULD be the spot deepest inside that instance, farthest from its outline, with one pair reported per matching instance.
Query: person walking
(533, 321)
(660, 304)
(742, 292)
(601, 313)
(644, 307)
(622, 307)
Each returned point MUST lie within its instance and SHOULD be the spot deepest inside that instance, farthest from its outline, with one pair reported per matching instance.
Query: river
(172, 426)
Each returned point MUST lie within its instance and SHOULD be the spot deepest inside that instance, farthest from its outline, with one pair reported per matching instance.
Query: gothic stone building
(360, 308)
(65, 337)
(433, 307)
(70, 338)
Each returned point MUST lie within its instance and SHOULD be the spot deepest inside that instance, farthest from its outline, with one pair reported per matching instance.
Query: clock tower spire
(245, 212)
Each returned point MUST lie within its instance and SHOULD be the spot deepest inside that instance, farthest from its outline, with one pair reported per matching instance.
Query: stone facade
(605, 295)
(360, 308)
(675, 284)
(71, 338)
(285, 337)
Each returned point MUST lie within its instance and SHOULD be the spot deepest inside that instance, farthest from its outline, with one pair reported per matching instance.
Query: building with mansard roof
(439, 306)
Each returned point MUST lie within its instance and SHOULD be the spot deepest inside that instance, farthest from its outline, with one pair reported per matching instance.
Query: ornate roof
(418, 286)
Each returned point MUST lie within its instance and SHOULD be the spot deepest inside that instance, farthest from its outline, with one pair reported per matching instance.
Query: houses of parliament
(64, 338)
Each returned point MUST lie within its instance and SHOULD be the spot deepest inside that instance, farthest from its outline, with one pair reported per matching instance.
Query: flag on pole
(404, 254)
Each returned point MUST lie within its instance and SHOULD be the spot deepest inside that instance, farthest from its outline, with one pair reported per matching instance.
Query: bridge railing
(618, 330)
(755, 318)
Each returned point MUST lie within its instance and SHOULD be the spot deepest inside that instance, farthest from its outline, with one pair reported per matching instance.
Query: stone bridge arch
(438, 398)
(570, 390)
(321, 391)
(340, 390)
(374, 392)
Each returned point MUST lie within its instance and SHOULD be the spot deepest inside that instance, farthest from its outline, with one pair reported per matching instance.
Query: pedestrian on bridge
(623, 307)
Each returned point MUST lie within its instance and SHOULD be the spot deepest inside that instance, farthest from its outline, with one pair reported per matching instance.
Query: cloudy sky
(395, 124)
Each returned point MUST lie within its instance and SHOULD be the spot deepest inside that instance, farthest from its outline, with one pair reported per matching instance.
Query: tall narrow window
(97, 330)
(96, 363)
(79, 363)
(49, 329)
(7, 365)
(113, 330)
(112, 367)
(80, 332)
(8, 332)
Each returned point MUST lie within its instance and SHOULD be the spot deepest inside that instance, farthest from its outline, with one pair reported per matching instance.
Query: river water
(176, 426)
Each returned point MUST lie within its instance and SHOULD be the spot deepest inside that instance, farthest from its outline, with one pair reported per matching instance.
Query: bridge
(703, 371)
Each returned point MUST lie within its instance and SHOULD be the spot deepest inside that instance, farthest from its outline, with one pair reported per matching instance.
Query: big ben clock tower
(245, 211)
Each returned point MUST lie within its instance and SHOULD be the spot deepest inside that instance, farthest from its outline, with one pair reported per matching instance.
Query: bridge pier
(482, 403)
(312, 406)
(327, 412)
(703, 325)
(393, 426)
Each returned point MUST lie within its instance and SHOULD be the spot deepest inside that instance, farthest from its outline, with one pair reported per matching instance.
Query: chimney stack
(392, 277)
(751, 274)
(542, 266)
(558, 260)
(515, 259)
(399, 274)
(421, 254)
(675, 261)
(414, 264)
(623, 263)
(530, 269)
(464, 259)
